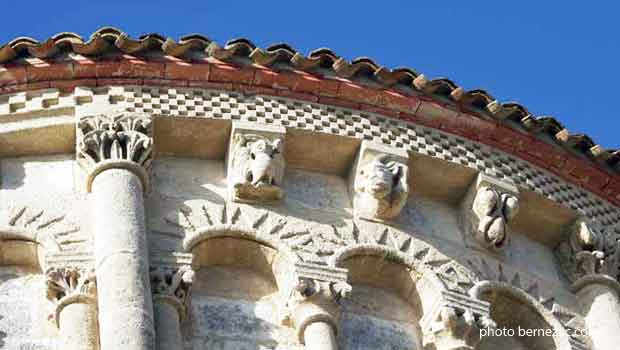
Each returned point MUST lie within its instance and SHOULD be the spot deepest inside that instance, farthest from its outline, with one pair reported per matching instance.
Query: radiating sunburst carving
(316, 242)
(54, 232)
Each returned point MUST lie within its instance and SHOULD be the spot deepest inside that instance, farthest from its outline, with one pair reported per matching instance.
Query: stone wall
(24, 312)
(202, 232)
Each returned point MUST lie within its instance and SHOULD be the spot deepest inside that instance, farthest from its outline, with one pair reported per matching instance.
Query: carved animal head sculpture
(381, 188)
(494, 210)
(257, 168)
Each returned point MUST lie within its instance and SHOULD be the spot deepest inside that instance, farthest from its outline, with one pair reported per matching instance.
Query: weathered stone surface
(345, 231)
(488, 209)
(256, 163)
(24, 311)
(379, 182)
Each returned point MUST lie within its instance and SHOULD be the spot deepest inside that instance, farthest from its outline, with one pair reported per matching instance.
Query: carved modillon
(489, 208)
(587, 250)
(172, 285)
(256, 163)
(66, 285)
(122, 140)
(380, 182)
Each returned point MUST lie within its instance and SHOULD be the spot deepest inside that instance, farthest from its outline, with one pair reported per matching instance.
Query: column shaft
(122, 267)
(167, 326)
(320, 336)
(601, 305)
(78, 327)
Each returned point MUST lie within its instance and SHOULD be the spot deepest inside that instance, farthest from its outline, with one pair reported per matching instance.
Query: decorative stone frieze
(74, 292)
(331, 127)
(531, 290)
(314, 304)
(379, 182)
(256, 163)
(120, 140)
(587, 250)
(488, 209)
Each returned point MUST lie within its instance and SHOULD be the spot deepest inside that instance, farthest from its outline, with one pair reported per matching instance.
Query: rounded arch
(388, 268)
(427, 278)
(20, 246)
(370, 250)
(210, 245)
(525, 311)
(239, 273)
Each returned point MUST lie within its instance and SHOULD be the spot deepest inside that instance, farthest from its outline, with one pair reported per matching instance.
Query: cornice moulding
(313, 131)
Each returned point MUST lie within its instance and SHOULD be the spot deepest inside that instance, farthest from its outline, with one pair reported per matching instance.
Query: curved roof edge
(110, 57)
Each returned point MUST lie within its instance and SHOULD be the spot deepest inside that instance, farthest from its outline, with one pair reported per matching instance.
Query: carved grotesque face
(381, 188)
(494, 210)
(379, 179)
(261, 168)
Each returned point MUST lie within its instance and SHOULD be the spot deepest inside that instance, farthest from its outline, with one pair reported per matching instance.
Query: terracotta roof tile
(110, 40)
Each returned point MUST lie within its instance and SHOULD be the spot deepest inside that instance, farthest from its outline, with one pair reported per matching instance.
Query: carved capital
(456, 323)
(122, 140)
(488, 209)
(587, 250)
(68, 285)
(315, 296)
(321, 292)
(256, 163)
(172, 285)
(379, 182)
(456, 329)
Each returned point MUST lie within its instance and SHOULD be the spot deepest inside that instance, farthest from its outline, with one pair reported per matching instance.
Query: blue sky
(558, 58)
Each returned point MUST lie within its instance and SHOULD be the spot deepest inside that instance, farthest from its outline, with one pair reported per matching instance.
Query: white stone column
(320, 335)
(589, 258)
(599, 298)
(115, 151)
(75, 294)
(171, 287)
(314, 305)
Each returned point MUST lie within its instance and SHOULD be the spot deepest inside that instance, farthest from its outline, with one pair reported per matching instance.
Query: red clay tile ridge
(109, 42)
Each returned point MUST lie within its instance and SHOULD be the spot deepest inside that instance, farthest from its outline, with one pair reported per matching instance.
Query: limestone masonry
(168, 195)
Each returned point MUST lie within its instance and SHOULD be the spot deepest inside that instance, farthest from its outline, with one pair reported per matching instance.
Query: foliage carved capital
(68, 285)
(122, 140)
